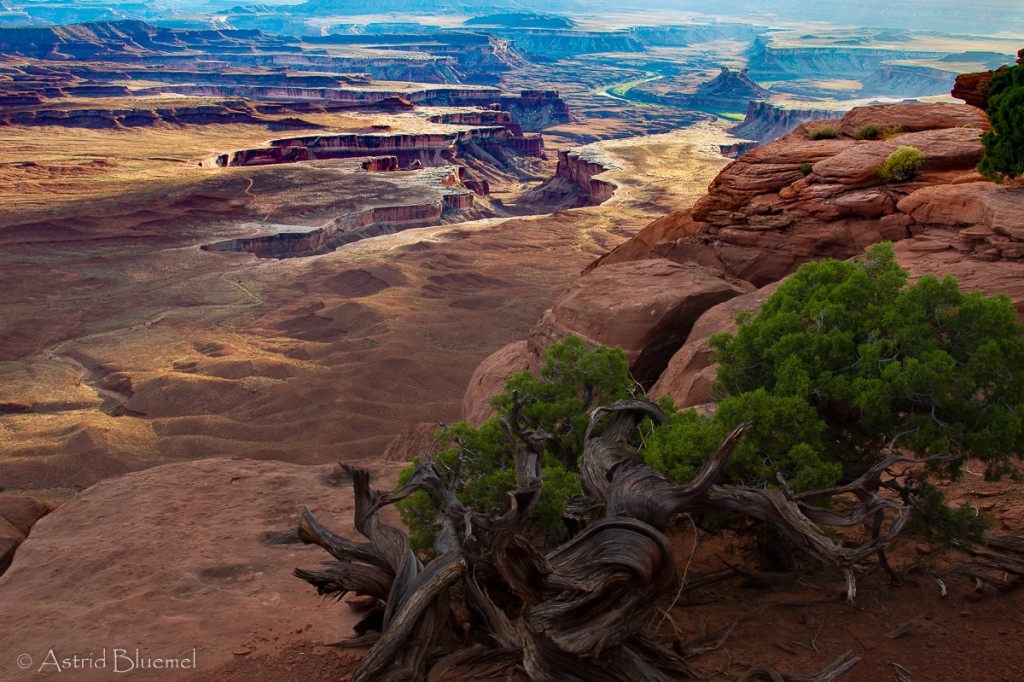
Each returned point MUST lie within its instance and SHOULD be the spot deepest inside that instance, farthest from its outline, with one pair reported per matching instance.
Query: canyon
(231, 257)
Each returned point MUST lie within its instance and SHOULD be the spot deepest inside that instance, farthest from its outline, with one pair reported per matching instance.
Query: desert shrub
(875, 358)
(788, 439)
(1004, 144)
(824, 131)
(844, 357)
(901, 164)
(890, 132)
(806, 167)
(574, 379)
(868, 131)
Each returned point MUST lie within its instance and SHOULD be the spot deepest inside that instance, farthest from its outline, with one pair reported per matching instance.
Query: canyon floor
(126, 345)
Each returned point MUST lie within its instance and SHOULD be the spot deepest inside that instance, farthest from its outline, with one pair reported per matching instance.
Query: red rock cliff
(790, 201)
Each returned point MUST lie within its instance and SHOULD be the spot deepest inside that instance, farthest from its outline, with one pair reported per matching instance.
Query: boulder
(645, 307)
(22, 511)
(489, 380)
(913, 117)
(678, 225)
(690, 373)
(10, 538)
(18, 513)
(186, 557)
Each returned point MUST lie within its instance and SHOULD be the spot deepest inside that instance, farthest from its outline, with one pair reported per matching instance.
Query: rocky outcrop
(194, 556)
(581, 167)
(18, 513)
(673, 227)
(985, 217)
(690, 374)
(489, 380)
(380, 164)
(727, 89)
(790, 201)
(765, 121)
(537, 109)
(912, 118)
(649, 323)
(736, 149)
(763, 215)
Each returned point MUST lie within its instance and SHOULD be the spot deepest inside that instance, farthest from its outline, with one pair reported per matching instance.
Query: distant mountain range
(343, 7)
(979, 17)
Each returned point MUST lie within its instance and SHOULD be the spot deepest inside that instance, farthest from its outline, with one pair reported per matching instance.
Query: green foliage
(873, 131)
(901, 164)
(1004, 145)
(806, 167)
(890, 132)
(574, 378)
(844, 357)
(825, 131)
(941, 523)
(787, 439)
(875, 358)
(868, 131)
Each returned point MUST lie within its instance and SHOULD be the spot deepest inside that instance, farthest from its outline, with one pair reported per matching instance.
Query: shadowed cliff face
(765, 122)
(363, 224)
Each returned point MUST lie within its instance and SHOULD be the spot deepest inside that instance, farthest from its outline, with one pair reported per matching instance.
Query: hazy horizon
(986, 17)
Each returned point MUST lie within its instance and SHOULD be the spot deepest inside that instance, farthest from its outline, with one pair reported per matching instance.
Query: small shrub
(890, 132)
(876, 357)
(574, 378)
(825, 131)
(868, 131)
(806, 168)
(901, 164)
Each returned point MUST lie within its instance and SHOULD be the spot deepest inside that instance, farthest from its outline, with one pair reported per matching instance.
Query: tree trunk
(582, 610)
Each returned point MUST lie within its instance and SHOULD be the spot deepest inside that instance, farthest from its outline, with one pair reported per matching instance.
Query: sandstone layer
(797, 199)
(189, 561)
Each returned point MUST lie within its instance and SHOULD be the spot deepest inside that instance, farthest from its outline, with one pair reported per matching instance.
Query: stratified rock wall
(582, 169)
(765, 121)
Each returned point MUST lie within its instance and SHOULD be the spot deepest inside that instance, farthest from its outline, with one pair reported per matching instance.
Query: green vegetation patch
(825, 131)
(902, 164)
(574, 379)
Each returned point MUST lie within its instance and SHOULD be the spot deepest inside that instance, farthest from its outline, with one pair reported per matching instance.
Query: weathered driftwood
(583, 610)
